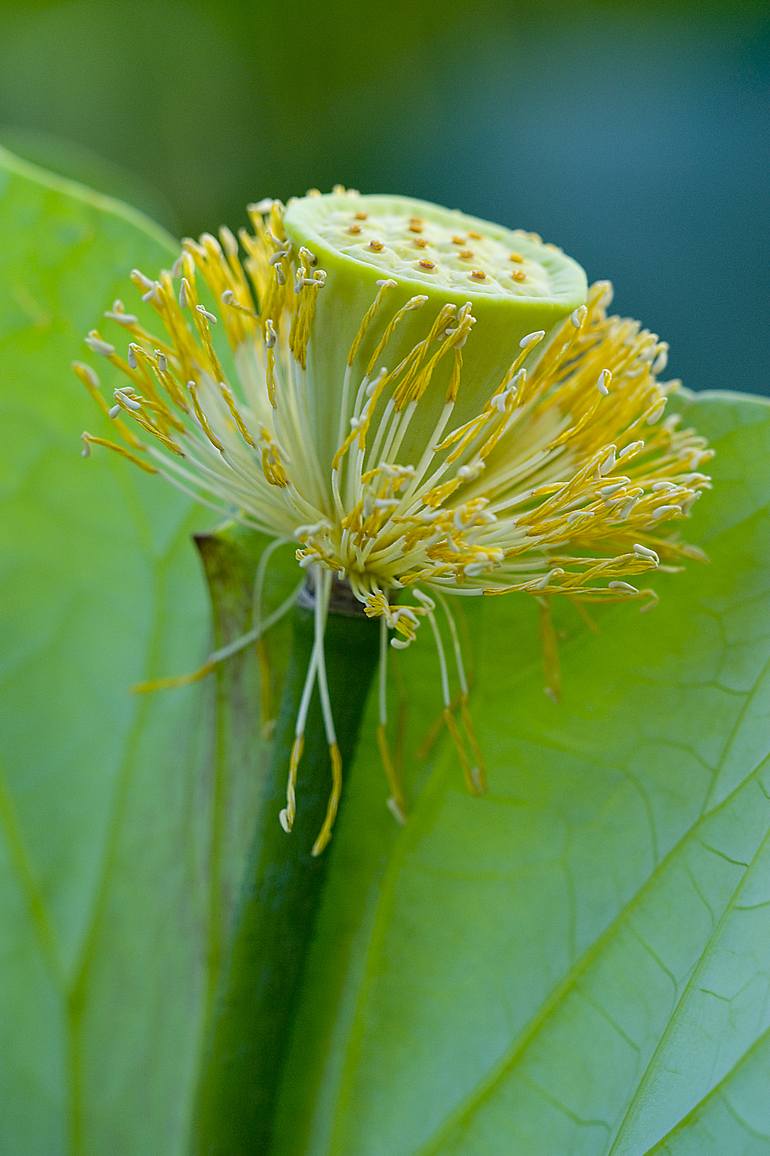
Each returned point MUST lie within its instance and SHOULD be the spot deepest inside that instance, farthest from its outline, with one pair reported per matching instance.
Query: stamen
(473, 778)
(288, 814)
(89, 440)
(605, 377)
(550, 651)
(202, 419)
(366, 320)
(218, 656)
(325, 834)
(96, 345)
(478, 771)
(397, 801)
(323, 590)
(646, 553)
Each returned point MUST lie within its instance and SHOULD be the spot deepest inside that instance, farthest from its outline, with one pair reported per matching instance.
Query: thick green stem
(259, 984)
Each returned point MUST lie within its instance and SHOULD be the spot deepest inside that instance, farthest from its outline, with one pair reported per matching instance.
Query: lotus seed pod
(509, 282)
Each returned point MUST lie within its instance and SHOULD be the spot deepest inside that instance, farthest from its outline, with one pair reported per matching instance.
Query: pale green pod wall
(505, 309)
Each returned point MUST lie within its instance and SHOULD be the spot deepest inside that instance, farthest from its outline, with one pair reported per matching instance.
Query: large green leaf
(577, 962)
(120, 836)
(580, 961)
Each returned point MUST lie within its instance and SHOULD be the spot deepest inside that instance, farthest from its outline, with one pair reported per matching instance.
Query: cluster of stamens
(566, 481)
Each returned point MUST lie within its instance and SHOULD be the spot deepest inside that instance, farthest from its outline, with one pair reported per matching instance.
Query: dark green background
(634, 136)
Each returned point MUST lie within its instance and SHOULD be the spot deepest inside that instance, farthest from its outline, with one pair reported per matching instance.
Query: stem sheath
(259, 986)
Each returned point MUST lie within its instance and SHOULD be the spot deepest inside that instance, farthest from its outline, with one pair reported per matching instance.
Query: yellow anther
(272, 466)
(91, 382)
(201, 416)
(289, 813)
(369, 316)
(243, 430)
(91, 440)
(325, 834)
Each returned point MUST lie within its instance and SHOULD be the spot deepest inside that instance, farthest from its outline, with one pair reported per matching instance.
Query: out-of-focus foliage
(635, 136)
(107, 803)
(577, 962)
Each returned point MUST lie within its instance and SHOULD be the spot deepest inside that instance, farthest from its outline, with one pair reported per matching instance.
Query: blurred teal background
(635, 137)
